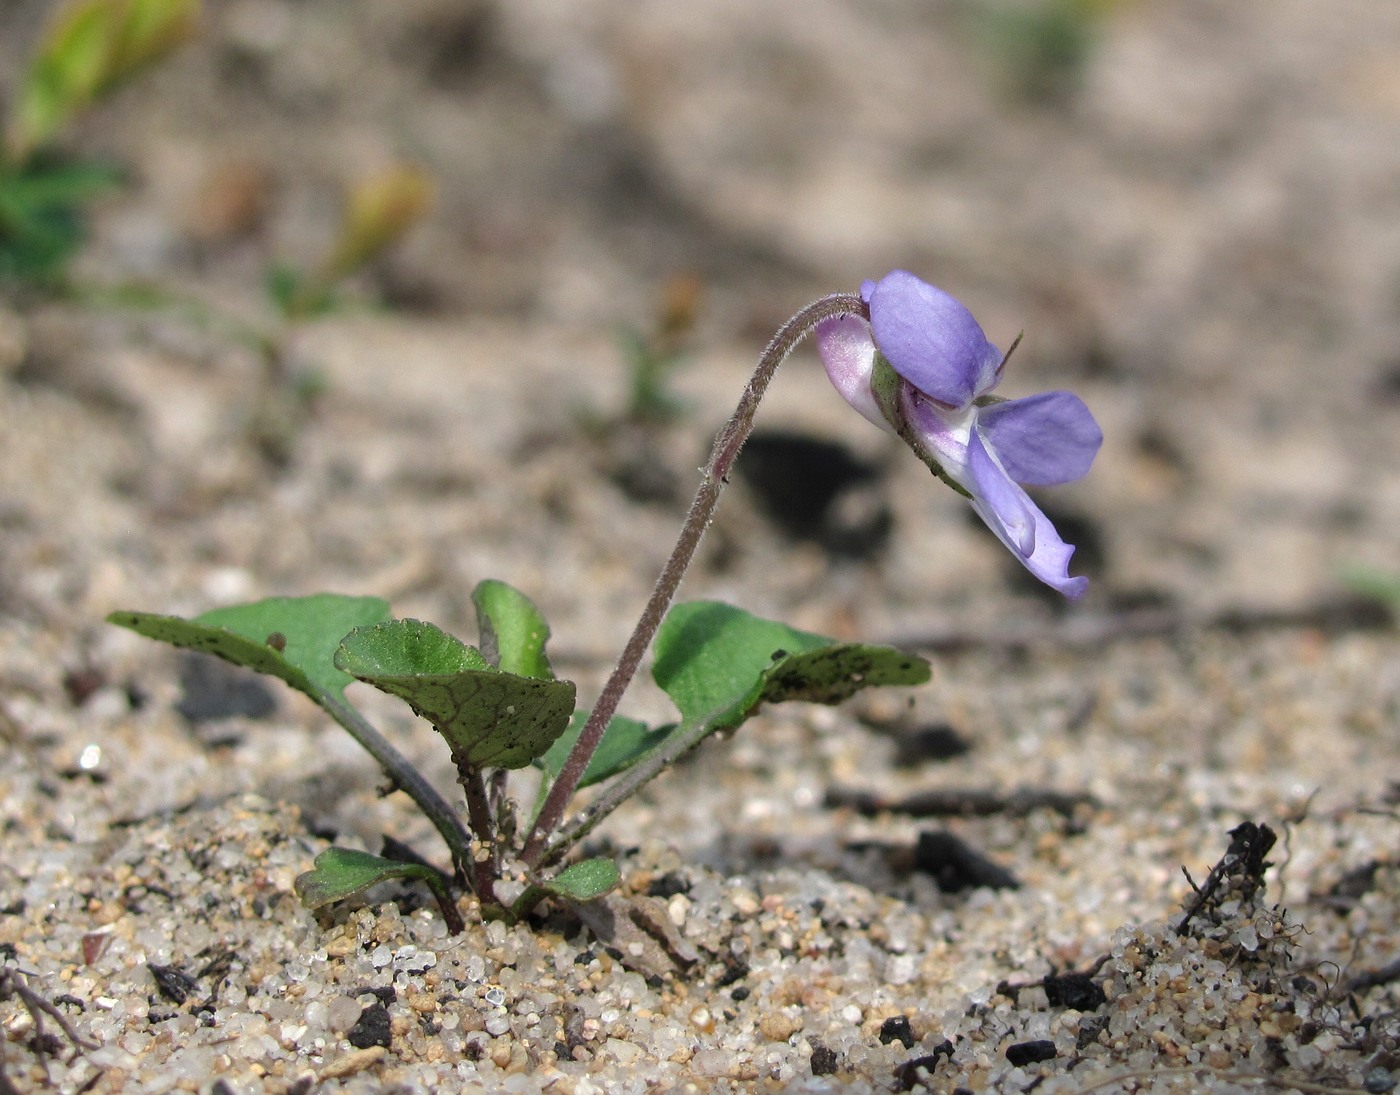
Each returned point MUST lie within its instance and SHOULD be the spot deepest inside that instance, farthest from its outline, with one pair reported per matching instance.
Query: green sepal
(885, 386)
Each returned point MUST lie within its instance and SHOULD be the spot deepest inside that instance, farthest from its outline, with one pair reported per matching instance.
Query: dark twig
(960, 802)
(1242, 864)
(1369, 979)
(1092, 630)
(13, 984)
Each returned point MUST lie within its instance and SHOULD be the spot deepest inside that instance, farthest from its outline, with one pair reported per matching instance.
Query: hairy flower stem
(716, 474)
(409, 780)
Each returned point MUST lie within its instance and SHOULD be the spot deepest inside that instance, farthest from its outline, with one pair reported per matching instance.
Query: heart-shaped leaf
(513, 632)
(624, 743)
(291, 638)
(719, 663)
(490, 719)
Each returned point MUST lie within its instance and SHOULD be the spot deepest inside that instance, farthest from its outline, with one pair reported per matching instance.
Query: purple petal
(932, 340)
(848, 352)
(1043, 439)
(994, 488)
(1019, 524)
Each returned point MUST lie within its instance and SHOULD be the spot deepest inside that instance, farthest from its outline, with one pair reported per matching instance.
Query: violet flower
(922, 368)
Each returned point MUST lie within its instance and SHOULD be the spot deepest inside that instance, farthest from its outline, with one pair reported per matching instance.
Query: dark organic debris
(825, 1060)
(955, 866)
(372, 1028)
(907, 1074)
(1238, 876)
(896, 1029)
(1089, 1030)
(1076, 991)
(13, 985)
(1369, 979)
(1029, 1053)
(960, 802)
(734, 970)
(1353, 885)
(173, 983)
(668, 885)
(80, 684)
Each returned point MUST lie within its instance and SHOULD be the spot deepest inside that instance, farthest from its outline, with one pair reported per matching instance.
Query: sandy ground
(1200, 238)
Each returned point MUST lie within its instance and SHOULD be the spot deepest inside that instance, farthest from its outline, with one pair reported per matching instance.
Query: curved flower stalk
(922, 368)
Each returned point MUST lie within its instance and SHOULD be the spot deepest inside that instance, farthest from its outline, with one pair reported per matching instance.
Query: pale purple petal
(1008, 502)
(848, 352)
(932, 340)
(1017, 521)
(1043, 439)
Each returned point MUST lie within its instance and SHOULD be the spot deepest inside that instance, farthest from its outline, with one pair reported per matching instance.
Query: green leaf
(93, 46)
(41, 214)
(291, 638)
(513, 632)
(624, 743)
(719, 663)
(50, 182)
(406, 648)
(63, 77)
(147, 30)
(585, 881)
(490, 719)
(339, 873)
(296, 295)
(1374, 585)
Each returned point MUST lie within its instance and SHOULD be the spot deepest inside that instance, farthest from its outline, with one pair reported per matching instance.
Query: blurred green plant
(91, 49)
(379, 211)
(654, 356)
(1042, 46)
(1372, 584)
